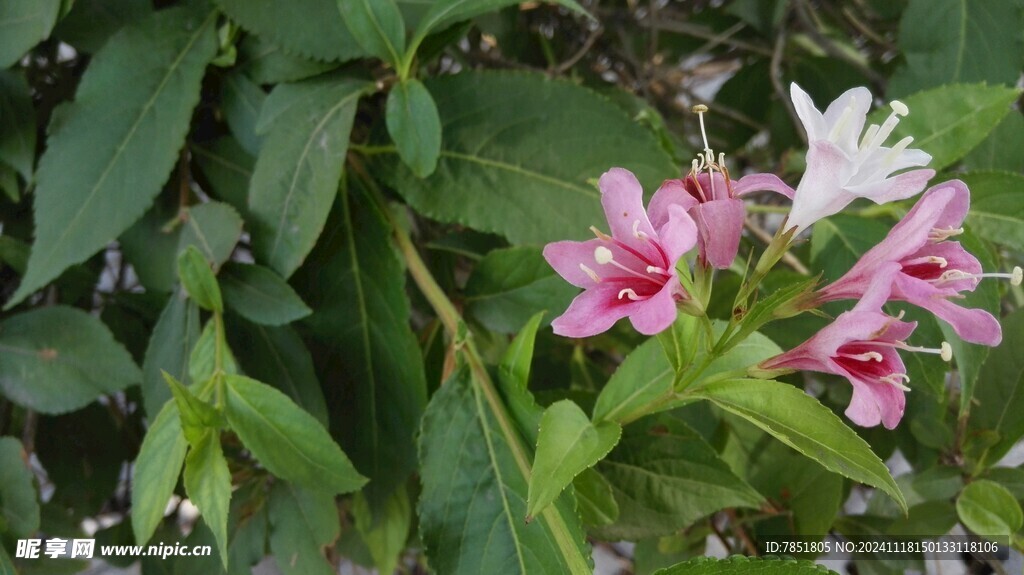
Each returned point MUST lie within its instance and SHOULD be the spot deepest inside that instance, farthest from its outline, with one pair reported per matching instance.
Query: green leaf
(949, 121)
(999, 150)
(947, 41)
(799, 421)
(745, 565)
(988, 509)
(999, 401)
(310, 28)
(173, 338)
(302, 523)
(208, 486)
(567, 444)
(644, 377)
(57, 359)
(296, 175)
(23, 23)
(150, 245)
(289, 442)
(198, 280)
(241, 102)
(156, 472)
(92, 22)
(929, 519)
(665, 477)
(356, 284)
(267, 63)
(6, 565)
(196, 415)
(1012, 478)
(19, 507)
(260, 295)
(213, 228)
(508, 285)
(17, 122)
(997, 207)
(377, 27)
(514, 369)
(386, 534)
(278, 356)
(109, 151)
(475, 468)
(444, 13)
(414, 125)
(228, 169)
(681, 341)
(202, 362)
(595, 498)
(511, 165)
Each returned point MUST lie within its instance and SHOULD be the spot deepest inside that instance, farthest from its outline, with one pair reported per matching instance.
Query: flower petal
(592, 312)
(657, 313)
(720, 224)
(898, 187)
(810, 117)
(973, 325)
(623, 202)
(875, 402)
(671, 192)
(848, 134)
(761, 183)
(678, 235)
(566, 256)
(820, 193)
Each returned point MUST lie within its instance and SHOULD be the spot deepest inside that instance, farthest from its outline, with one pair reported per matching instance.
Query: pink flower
(839, 169)
(861, 345)
(630, 273)
(713, 202)
(932, 271)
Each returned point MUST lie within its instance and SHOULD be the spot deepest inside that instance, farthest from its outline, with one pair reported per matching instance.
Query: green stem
(368, 150)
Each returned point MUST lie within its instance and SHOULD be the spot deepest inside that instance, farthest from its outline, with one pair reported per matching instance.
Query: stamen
(839, 126)
(866, 356)
(636, 231)
(603, 255)
(942, 262)
(868, 135)
(1015, 276)
(593, 275)
(699, 109)
(899, 108)
(937, 234)
(631, 295)
(945, 351)
(600, 235)
(656, 270)
(896, 380)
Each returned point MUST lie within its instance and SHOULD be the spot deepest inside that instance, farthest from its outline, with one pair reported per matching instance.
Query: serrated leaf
(213, 228)
(267, 63)
(386, 533)
(798, 420)
(57, 359)
(296, 175)
(23, 23)
(156, 472)
(302, 523)
(414, 125)
(999, 401)
(202, 361)
(971, 34)
(812, 494)
(514, 369)
(90, 23)
(665, 477)
(228, 169)
(174, 336)
(508, 285)
(310, 28)
(198, 280)
(278, 356)
(289, 442)
(377, 27)
(19, 506)
(241, 101)
(595, 498)
(196, 415)
(17, 122)
(744, 566)
(474, 473)
(988, 509)
(356, 284)
(567, 444)
(641, 379)
(997, 207)
(109, 151)
(511, 165)
(208, 486)
(999, 150)
(949, 121)
(260, 295)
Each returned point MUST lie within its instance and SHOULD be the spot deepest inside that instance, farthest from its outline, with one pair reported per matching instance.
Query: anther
(1015, 276)
(656, 270)
(899, 108)
(636, 231)
(939, 234)
(600, 235)
(866, 356)
(603, 255)
(896, 380)
(593, 275)
(940, 261)
(630, 294)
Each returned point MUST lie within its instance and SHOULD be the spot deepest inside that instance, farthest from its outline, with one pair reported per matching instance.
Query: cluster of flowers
(632, 272)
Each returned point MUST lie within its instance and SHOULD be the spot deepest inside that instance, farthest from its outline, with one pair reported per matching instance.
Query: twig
(803, 14)
(28, 431)
(776, 77)
(680, 27)
(787, 258)
(741, 533)
(587, 45)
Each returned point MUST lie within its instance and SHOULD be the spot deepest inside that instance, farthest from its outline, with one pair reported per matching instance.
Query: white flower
(841, 169)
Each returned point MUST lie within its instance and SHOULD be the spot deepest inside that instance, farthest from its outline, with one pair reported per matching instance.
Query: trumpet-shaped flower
(713, 201)
(842, 165)
(630, 273)
(861, 345)
(932, 271)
